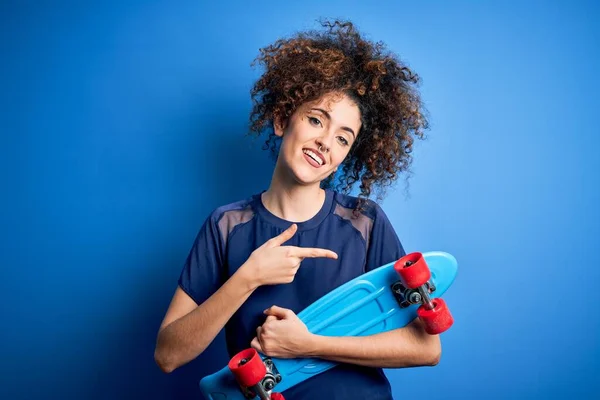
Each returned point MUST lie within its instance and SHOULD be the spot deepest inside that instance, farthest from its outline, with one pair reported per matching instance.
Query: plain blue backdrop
(123, 126)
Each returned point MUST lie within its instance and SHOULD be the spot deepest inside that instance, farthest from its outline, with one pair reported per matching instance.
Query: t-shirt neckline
(284, 224)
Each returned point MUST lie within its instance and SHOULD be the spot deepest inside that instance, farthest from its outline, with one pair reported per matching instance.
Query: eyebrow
(326, 114)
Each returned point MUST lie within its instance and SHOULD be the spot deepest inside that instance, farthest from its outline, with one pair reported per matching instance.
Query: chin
(305, 174)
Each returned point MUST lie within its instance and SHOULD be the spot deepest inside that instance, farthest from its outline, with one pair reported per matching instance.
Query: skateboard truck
(256, 377)
(407, 297)
(415, 287)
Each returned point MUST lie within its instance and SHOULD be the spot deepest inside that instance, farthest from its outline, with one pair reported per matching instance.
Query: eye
(343, 140)
(314, 121)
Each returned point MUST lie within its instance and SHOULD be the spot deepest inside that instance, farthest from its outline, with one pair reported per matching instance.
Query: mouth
(314, 157)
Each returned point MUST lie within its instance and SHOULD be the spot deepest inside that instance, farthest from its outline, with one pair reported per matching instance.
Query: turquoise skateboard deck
(374, 302)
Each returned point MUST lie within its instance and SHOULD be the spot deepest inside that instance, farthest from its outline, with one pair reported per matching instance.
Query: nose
(323, 147)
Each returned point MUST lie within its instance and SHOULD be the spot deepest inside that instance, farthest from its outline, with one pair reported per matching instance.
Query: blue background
(123, 126)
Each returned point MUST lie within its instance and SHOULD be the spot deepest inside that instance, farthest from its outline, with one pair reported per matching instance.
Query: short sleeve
(384, 244)
(202, 272)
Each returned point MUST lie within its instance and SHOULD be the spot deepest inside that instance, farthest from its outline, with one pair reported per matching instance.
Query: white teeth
(313, 156)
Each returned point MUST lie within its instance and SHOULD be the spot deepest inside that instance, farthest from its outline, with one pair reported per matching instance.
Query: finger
(270, 318)
(279, 312)
(255, 344)
(311, 252)
(283, 237)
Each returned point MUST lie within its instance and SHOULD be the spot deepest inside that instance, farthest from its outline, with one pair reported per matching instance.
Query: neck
(288, 200)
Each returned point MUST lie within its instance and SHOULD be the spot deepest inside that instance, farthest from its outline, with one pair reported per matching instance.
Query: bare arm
(410, 346)
(188, 329)
(284, 335)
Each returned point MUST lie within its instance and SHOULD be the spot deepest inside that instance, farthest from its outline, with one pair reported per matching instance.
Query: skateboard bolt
(414, 297)
(408, 264)
(397, 288)
(269, 385)
(243, 361)
(278, 378)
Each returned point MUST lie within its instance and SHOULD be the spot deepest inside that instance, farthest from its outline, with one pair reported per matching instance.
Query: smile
(314, 157)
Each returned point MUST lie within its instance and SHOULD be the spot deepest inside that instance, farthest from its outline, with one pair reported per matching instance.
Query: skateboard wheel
(277, 396)
(248, 367)
(438, 319)
(413, 270)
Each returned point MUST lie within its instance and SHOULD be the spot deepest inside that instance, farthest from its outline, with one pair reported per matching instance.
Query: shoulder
(240, 206)
(345, 205)
(225, 218)
(369, 220)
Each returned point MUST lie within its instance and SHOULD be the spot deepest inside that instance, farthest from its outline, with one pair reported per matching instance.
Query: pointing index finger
(313, 252)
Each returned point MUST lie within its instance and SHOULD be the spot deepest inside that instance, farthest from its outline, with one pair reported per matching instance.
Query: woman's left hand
(283, 335)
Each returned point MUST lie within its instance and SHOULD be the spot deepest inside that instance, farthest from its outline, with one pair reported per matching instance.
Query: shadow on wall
(226, 166)
(237, 168)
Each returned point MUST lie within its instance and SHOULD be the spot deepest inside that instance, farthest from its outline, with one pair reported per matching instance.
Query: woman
(332, 103)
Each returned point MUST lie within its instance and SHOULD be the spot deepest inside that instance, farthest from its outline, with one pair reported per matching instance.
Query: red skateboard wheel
(413, 270)
(277, 396)
(438, 319)
(248, 367)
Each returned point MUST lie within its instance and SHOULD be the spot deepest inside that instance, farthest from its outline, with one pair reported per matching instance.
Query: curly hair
(311, 64)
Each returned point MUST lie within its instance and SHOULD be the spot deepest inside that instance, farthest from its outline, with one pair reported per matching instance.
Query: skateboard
(386, 298)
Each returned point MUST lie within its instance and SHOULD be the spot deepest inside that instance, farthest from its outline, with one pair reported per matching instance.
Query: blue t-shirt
(232, 232)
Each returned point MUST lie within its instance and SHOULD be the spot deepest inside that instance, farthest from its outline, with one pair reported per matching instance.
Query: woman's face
(318, 137)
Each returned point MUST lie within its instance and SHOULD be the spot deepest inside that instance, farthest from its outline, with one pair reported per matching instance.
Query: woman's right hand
(273, 264)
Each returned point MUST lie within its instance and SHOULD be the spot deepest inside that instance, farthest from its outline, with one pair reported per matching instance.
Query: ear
(278, 126)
